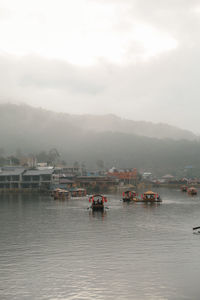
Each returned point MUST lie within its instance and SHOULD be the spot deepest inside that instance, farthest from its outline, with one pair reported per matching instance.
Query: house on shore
(43, 178)
(11, 178)
(21, 179)
(37, 179)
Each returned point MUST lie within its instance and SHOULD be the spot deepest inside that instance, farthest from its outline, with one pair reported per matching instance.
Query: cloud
(161, 87)
(40, 73)
(81, 32)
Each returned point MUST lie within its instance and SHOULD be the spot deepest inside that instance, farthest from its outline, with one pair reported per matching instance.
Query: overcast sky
(138, 59)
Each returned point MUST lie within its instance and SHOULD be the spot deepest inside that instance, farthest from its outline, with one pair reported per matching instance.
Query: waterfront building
(18, 178)
(37, 179)
(128, 176)
(67, 170)
(62, 181)
(11, 178)
(45, 178)
(96, 182)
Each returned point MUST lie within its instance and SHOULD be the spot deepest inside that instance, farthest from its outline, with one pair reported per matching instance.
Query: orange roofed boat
(149, 197)
(97, 202)
(192, 191)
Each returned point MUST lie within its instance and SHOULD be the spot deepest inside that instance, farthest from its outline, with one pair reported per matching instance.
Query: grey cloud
(164, 89)
(171, 15)
(53, 74)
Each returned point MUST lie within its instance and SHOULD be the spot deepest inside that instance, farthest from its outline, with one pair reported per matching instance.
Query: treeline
(50, 157)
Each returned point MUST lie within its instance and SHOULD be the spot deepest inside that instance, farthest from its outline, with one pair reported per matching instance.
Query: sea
(60, 250)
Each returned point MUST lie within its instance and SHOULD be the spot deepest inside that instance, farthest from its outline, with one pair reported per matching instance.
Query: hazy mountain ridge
(142, 128)
(25, 115)
(32, 130)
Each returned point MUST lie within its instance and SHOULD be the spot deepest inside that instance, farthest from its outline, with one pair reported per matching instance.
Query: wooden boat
(78, 193)
(97, 202)
(149, 197)
(192, 191)
(196, 230)
(129, 196)
(60, 194)
(184, 188)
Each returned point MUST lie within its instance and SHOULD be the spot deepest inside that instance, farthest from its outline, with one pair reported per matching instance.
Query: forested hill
(142, 128)
(33, 130)
(24, 115)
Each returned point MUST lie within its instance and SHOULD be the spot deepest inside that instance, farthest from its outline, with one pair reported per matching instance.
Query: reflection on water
(61, 250)
(98, 214)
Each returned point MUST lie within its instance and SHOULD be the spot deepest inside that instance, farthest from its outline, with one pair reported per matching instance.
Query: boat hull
(147, 201)
(127, 199)
(98, 207)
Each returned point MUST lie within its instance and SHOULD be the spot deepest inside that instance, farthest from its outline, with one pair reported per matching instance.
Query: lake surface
(59, 250)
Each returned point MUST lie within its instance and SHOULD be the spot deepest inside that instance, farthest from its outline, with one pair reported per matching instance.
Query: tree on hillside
(53, 156)
(13, 160)
(100, 164)
(42, 156)
(76, 164)
(2, 151)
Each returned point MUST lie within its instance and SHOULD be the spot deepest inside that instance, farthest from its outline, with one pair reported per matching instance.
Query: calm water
(59, 250)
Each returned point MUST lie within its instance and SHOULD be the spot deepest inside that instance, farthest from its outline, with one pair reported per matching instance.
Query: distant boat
(97, 202)
(60, 194)
(149, 197)
(129, 196)
(184, 188)
(78, 192)
(196, 230)
(192, 191)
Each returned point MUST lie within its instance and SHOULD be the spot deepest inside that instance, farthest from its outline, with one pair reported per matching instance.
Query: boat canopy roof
(97, 196)
(150, 193)
(126, 192)
(77, 190)
(61, 190)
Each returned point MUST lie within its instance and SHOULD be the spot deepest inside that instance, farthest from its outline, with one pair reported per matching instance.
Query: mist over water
(60, 250)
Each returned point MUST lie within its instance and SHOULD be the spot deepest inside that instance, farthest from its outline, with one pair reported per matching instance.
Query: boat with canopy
(60, 194)
(184, 188)
(97, 202)
(192, 191)
(129, 196)
(149, 197)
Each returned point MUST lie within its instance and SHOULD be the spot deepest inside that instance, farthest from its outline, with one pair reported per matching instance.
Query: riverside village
(26, 174)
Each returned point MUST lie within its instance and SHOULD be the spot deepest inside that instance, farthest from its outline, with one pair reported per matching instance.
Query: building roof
(63, 180)
(168, 176)
(11, 172)
(38, 172)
